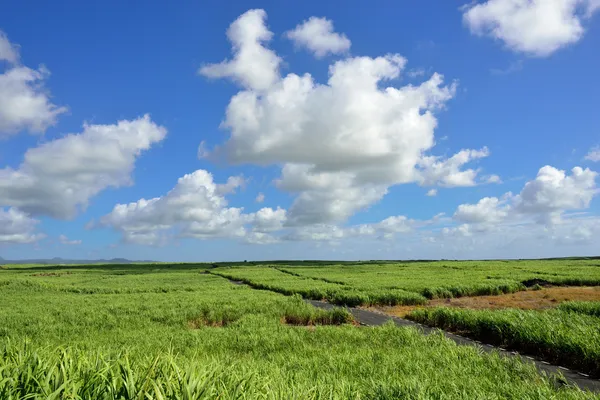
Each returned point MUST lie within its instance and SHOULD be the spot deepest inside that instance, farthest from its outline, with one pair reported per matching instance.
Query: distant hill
(58, 260)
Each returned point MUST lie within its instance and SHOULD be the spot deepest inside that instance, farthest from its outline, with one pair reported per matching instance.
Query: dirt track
(370, 318)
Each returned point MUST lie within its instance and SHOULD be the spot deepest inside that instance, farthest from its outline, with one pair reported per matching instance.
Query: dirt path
(526, 300)
(370, 318)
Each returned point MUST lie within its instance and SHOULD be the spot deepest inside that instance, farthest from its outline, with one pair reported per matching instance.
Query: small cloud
(415, 73)
(260, 198)
(432, 192)
(492, 179)
(512, 67)
(65, 240)
(593, 155)
(425, 45)
(319, 37)
(202, 151)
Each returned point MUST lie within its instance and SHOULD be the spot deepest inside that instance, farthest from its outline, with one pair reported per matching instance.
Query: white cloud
(593, 155)
(553, 192)
(17, 227)
(269, 220)
(8, 51)
(65, 240)
(196, 202)
(545, 199)
(24, 103)
(415, 73)
(59, 177)
(341, 145)
(327, 197)
(448, 173)
(463, 230)
(534, 27)
(195, 208)
(431, 192)
(260, 238)
(488, 210)
(260, 198)
(317, 232)
(253, 66)
(318, 36)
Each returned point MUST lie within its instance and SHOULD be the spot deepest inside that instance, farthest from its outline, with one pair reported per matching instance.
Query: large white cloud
(449, 173)
(59, 177)
(253, 65)
(553, 191)
(534, 27)
(342, 144)
(318, 36)
(24, 103)
(544, 199)
(17, 227)
(196, 207)
(487, 210)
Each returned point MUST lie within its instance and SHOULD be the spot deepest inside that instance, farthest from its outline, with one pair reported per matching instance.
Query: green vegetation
(181, 331)
(582, 307)
(561, 337)
(412, 283)
(444, 279)
(316, 289)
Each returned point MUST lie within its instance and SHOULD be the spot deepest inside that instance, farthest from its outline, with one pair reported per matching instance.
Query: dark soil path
(370, 318)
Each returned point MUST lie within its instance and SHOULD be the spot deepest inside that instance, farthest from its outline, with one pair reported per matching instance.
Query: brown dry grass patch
(526, 300)
(200, 323)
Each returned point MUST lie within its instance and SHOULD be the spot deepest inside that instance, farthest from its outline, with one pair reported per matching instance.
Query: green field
(428, 279)
(561, 337)
(182, 331)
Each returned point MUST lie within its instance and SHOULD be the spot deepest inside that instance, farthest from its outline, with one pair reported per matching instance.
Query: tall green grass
(382, 363)
(446, 279)
(174, 331)
(289, 284)
(561, 337)
(582, 307)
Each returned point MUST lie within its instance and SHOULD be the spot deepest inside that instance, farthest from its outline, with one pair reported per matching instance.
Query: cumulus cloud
(431, 192)
(59, 177)
(196, 200)
(317, 232)
(260, 198)
(593, 155)
(268, 220)
(342, 144)
(65, 240)
(487, 210)
(318, 36)
(545, 199)
(448, 172)
(534, 27)
(24, 102)
(17, 227)
(253, 66)
(196, 207)
(8, 51)
(553, 192)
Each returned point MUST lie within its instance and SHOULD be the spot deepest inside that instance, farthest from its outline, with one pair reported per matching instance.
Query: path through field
(370, 318)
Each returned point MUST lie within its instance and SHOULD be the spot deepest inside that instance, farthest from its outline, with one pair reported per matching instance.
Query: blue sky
(338, 115)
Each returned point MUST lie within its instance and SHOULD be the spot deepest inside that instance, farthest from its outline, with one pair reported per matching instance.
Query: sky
(191, 131)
